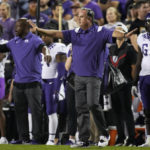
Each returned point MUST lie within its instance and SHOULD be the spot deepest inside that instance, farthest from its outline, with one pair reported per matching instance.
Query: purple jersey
(27, 58)
(2, 88)
(42, 20)
(8, 28)
(95, 7)
(67, 7)
(87, 49)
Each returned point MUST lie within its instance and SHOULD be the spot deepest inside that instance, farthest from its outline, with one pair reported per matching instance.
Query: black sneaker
(119, 142)
(20, 142)
(129, 142)
(80, 144)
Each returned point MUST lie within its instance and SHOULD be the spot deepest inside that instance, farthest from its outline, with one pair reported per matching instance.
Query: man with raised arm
(26, 49)
(88, 43)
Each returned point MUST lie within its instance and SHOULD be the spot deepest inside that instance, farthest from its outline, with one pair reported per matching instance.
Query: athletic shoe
(129, 142)
(20, 142)
(3, 140)
(119, 142)
(50, 142)
(144, 145)
(70, 142)
(16, 142)
(80, 144)
(34, 142)
(103, 141)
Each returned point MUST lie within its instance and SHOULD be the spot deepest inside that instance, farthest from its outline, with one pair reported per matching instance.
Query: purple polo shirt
(122, 8)
(95, 7)
(27, 58)
(42, 21)
(88, 46)
(8, 28)
(67, 8)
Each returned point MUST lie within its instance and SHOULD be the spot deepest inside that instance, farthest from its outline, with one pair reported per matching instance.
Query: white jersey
(143, 41)
(2, 63)
(50, 71)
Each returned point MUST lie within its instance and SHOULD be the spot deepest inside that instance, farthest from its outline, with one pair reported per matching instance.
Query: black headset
(90, 13)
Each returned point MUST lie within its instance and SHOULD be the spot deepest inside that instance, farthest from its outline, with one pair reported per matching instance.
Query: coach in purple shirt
(26, 49)
(88, 43)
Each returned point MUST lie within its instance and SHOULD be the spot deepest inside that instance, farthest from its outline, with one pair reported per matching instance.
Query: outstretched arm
(52, 33)
(120, 34)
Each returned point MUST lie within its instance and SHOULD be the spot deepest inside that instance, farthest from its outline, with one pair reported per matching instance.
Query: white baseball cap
(123, 26)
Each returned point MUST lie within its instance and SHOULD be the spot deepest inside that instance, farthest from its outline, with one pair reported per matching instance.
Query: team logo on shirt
(26, 40)
(50, 83)
(114, 58)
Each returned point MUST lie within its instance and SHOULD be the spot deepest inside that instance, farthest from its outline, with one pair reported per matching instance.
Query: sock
(148, 139)
(30, 125)
(53, 123)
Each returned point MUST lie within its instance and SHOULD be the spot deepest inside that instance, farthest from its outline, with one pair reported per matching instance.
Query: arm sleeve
(108, 34)
(67, 35)
(4, 48)
(38, 43)
(41, 47)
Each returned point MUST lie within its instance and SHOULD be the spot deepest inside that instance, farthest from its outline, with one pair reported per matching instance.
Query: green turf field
(43, 147)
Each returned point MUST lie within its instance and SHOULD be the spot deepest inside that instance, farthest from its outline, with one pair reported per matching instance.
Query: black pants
(121, 104)
(87, 92)
(25, 97)
(71, 110)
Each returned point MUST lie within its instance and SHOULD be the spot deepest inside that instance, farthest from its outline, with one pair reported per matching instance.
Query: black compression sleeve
(40, 47)
(4, 48)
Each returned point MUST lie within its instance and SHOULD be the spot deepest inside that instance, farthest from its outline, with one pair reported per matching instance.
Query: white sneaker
(50, 143)
(3, 140)
(80, 144)
(144, 145)
(103, 141)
